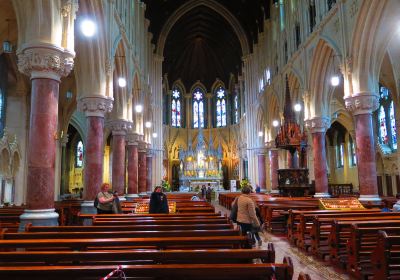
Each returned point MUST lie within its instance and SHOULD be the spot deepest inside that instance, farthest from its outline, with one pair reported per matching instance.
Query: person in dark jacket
(158, 202)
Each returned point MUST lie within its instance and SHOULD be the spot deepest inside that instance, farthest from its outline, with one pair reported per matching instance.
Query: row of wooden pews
(9, 217)
(190, 245)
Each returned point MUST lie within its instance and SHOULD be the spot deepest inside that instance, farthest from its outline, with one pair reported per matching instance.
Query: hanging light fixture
(7, 46)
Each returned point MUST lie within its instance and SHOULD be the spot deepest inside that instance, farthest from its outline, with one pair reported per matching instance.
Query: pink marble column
(318, 127)
(119, 128)
(262, 176)
(274, 158)
(142, 175)
(42, 143)
(149, 174)
(132, 168)
(365, 151)
(362, 105)
(94, 107)
(289, 159)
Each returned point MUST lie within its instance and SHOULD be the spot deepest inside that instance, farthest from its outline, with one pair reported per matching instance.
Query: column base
(322, 195)
(39, 217)
(131, 196)
(369, 197)
(142, 194)
(122, 198)
(274, 192)
(87, 207)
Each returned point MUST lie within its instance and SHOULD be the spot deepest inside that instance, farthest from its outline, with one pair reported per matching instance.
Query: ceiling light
(138, 108)
(335, 81)
(88, 28)
(275, 123)
(155, 135)
(122, 82)
(260, 133)
(147, 124)
(297, 107)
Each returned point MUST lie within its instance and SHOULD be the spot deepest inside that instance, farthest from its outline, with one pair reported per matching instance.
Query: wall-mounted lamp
(275, 123)
(155, 135)
(147, 124)
(138, 108)
(122, 82)
(297, 107)
(335, 80)
(260, 133)
(88, 27)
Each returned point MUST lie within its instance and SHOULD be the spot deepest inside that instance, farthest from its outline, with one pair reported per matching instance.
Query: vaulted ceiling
(202, 44)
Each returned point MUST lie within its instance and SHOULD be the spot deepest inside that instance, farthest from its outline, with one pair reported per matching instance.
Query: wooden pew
(385, 257)
(159, 222)
(137, 256)
(164, 271)
(134, 243)
(340, 235)
(363, 239)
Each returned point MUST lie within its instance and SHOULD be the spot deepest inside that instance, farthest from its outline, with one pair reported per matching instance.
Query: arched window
(221, 107)
(79, 154)
(198, 108)
(176, 108)
(236, 108)
(2, 109)
(352, 152)
(386, 122)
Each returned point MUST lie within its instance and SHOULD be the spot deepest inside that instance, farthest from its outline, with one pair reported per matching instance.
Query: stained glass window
(353, 156)
(236, 108)
(79, 154)
(393, 126)
(176, 108)
(382, 126)
(221, 107)
(198, 108)
(340, 155)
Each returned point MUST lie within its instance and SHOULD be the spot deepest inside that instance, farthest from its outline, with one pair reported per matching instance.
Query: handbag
(234, 211)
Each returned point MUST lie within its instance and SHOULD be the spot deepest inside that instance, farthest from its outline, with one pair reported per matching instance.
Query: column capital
(132, 138)
(142, 146)
(95, 106)
(119, 127)
(362, 103)
(64, 140)
(318, 124)
(261, 151)
(270, 145)
(42, 60)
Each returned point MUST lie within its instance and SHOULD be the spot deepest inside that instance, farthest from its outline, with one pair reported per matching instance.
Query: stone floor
(302, 262)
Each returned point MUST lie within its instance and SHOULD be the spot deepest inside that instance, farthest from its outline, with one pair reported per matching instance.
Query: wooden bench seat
(155, 271)
(137, 256)
(385, 258)
(160, 222)
(124, 243)
(118, 234)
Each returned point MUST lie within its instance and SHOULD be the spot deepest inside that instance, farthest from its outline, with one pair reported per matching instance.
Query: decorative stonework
(45, 61)
(270, 145)
(364, 103)
(318, 124)
(95, 106)
(132, 138)
(119, 127)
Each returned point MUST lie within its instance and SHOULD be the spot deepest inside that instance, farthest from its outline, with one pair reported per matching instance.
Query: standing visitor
(246, 215)
(158, 202)
(208, 193)
(104, 200)
(203, 191)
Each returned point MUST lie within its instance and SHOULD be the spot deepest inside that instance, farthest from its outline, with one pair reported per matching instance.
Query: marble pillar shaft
(42, 143)
(149, 167)
(142, 176)
(274, 169)
(132, 169)
(94, 157)
(320, 169)
(261, 171)
(118, 164)
(366, 155)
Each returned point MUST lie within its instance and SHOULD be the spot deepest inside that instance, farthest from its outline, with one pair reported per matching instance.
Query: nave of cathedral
(295, 98)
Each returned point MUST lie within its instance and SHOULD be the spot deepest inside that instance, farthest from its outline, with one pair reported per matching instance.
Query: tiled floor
(302, 262)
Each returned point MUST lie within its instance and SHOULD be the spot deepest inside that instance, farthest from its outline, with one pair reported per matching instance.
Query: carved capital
(45, 61)
(318, 124)
(95, 106)
(364, 103)
(64, 139)
(132, 138)
(119, 127)
(270, 145)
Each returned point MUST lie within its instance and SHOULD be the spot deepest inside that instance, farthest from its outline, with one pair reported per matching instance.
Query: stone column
(45, 64)
(132, 166)
(274, 165)
(94, 107)
(142, 175)
(119, 129)
(261, 170)
(149, 171)
(289, 159)
(318, 126)
(64, 178)
(362, 105)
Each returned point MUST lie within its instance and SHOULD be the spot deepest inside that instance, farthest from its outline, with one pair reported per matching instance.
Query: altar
(200, 166)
